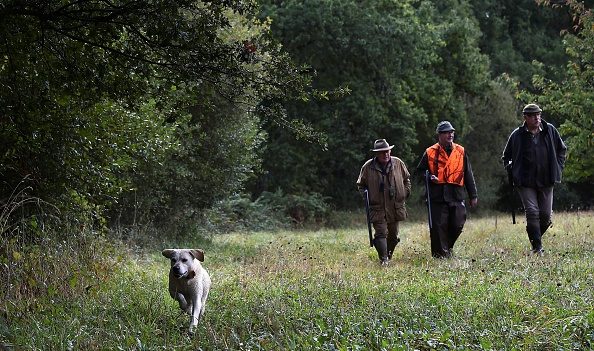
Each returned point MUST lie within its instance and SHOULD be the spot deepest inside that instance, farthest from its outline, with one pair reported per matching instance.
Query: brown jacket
(388, 205)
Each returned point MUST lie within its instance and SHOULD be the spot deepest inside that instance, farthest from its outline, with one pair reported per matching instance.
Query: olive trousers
(385, 238)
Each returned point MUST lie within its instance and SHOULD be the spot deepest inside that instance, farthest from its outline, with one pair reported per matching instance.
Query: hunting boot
(534, 235)
(382, 250)
(392, 242)
(544, 225)
(455, 234)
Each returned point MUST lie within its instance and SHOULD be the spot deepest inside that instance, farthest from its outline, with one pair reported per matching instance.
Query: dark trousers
(448, 221)
(538, 204)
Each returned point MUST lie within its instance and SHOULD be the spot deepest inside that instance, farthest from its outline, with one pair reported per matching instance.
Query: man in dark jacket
(451, 178)
(535, 156)
(387, 181)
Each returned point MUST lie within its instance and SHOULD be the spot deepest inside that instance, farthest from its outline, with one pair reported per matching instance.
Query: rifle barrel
(368, 212)
(428, 195)
(510, 179)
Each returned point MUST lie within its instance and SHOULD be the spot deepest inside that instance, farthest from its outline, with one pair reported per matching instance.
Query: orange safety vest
(449, 169)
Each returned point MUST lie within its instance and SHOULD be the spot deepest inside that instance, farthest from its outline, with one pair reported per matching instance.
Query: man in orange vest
(451, 178)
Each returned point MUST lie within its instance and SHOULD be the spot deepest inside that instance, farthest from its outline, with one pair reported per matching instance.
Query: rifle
(428, 195)
(510, 180)
(367, 211)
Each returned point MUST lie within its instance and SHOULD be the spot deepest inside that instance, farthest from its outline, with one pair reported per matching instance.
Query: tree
(572, 100)
(407, 64)
(496, 116)
(516, 32)
(94, 95)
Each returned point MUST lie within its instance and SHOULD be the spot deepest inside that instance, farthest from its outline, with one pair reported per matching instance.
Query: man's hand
(362, 193)
(473, 202)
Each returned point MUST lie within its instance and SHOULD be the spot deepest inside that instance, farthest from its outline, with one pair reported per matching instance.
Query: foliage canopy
(393, 56)
(572, 99)
(101, 98)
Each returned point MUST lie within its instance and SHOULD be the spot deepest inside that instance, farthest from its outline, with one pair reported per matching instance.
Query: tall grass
(324, 290)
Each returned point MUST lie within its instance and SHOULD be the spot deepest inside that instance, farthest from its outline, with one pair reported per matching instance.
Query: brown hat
(381, 145)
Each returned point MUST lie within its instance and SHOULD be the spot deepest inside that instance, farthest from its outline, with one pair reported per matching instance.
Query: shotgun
(368, 212)
(510, 180)
(428, 197)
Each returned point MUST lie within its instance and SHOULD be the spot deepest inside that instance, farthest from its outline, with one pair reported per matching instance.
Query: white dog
(189, 283)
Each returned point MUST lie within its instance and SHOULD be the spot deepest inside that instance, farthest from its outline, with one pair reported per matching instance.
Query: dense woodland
(158, 112)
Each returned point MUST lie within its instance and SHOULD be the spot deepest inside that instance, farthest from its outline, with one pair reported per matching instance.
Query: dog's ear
(168, 252)
(198, 254)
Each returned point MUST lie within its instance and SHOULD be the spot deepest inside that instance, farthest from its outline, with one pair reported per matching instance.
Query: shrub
(239, 213)
(270, 211)
(300, 208)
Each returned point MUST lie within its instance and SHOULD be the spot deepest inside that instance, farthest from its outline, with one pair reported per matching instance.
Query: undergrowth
(324, 290)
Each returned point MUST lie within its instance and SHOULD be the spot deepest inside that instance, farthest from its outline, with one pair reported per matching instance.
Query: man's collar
(380, 166)
(528, 130)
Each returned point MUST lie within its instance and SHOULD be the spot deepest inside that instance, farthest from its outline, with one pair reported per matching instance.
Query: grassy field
(324, 290)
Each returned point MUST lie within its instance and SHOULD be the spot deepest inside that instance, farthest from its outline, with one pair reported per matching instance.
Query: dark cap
(444, 126)
(381, 145)
(531, 108)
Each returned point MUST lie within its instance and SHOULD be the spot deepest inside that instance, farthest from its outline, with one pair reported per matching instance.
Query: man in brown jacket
(388, 183)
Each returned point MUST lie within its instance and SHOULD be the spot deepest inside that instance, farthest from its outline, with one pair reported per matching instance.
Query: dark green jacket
(555, 146)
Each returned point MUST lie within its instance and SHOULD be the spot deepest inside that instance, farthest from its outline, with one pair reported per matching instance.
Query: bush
(567, 197)
(300, 208)
(239, 213)
(572, 197)
(270, 211)
(43, 257)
